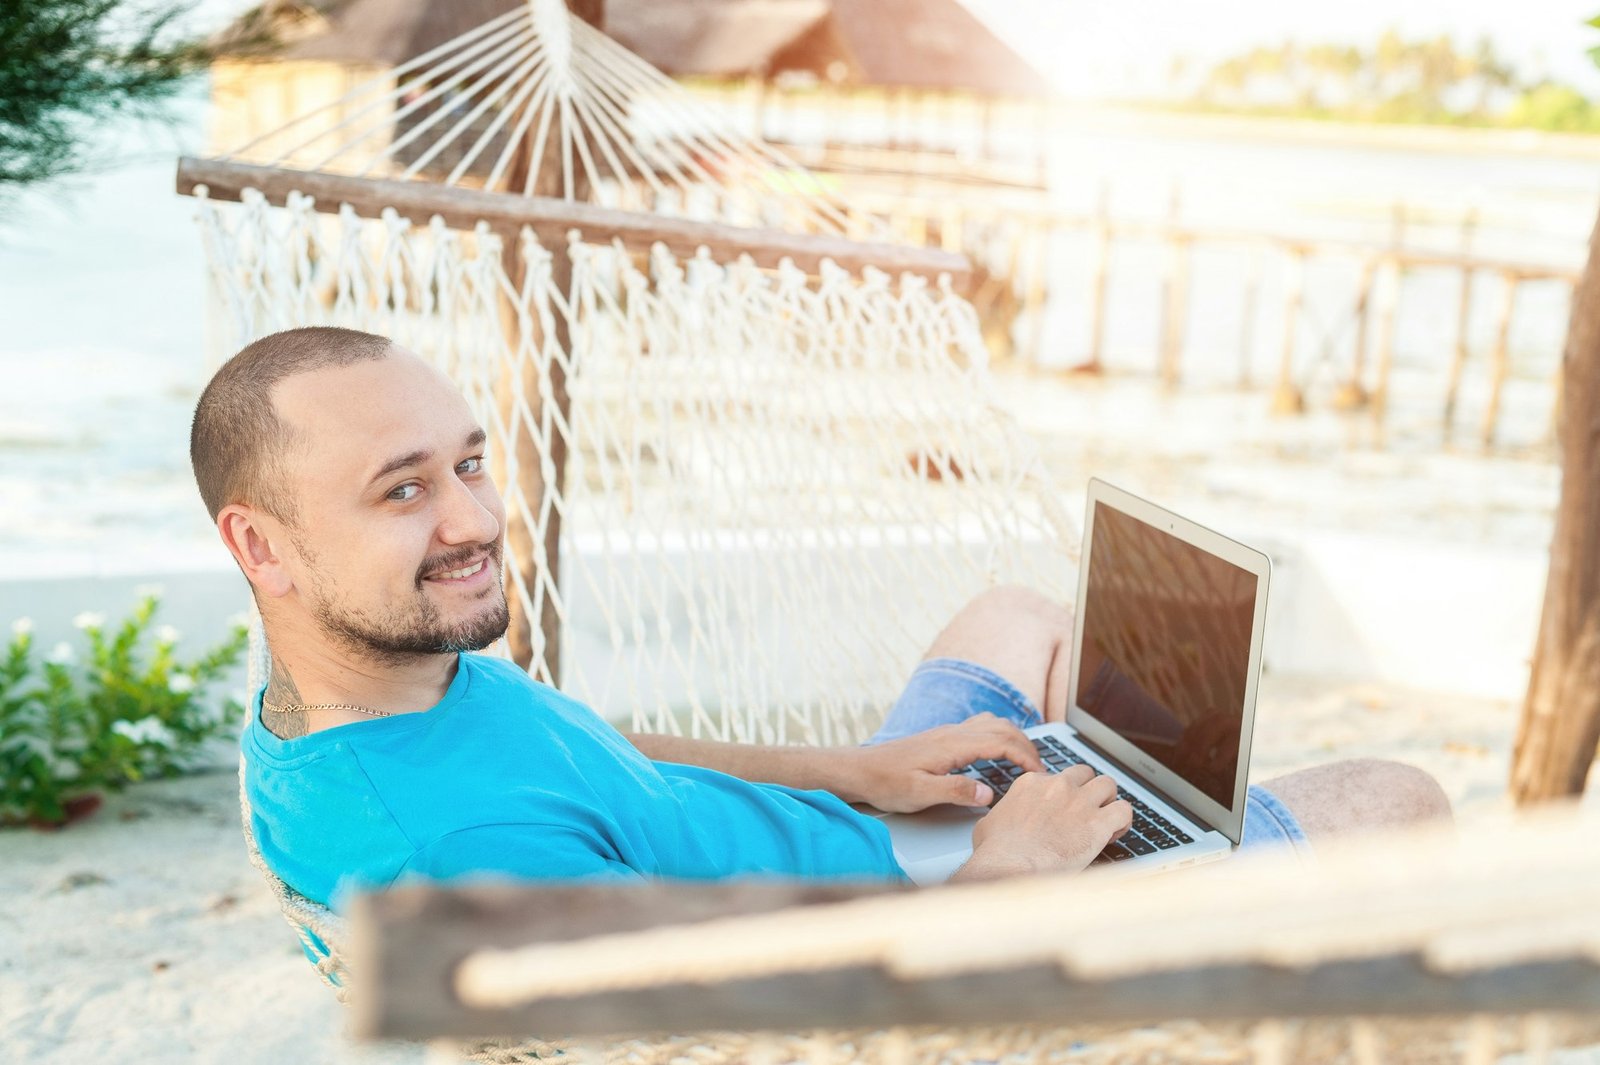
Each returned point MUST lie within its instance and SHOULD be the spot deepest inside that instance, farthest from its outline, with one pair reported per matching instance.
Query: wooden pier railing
(1009, 242)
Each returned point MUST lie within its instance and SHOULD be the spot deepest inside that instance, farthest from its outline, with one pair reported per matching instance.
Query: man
(348, 480)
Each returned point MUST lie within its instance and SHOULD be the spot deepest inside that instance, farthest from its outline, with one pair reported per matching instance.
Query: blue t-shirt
(508, 776)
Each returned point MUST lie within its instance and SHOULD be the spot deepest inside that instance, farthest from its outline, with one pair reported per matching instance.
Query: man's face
(395, 551)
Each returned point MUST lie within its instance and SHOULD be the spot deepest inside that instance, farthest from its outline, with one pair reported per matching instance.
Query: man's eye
(472, 465)
(404, 493)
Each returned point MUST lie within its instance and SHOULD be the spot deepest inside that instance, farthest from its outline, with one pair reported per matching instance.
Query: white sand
(143, 934)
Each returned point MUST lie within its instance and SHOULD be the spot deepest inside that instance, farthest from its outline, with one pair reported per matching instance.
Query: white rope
(549, 82)
(472, 38)
(752, 545)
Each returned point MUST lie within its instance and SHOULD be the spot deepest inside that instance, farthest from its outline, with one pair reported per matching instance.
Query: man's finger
(997, 740)
(1077, 775)
(954, 788)
(1102, 789)
(1118, 816)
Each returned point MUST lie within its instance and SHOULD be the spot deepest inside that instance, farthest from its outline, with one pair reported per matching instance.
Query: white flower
(62, 769)
(149, 591)
(241, 620)
(180, 683)
(62, 654)
(22, 626)
(89, 620)
(168, 635)
(144, 730)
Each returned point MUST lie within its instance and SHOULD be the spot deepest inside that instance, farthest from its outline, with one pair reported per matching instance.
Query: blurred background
(1318, 260)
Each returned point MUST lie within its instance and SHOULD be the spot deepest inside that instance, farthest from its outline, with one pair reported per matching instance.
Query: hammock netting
(774, 485)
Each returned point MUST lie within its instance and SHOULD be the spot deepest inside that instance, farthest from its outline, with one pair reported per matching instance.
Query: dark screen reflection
(1166, 648)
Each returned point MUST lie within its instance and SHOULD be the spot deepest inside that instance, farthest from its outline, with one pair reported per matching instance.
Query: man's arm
(1046, 822)
(900, 776)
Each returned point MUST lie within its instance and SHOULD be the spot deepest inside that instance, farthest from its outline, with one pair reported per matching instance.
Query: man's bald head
(238, 444)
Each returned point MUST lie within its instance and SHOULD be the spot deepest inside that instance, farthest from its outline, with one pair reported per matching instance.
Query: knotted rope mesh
(776, 487)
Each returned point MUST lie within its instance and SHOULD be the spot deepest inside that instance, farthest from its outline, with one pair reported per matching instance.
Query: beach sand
(144, 935)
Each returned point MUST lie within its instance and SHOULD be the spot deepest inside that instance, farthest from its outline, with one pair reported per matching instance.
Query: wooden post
(951, 235)
(1101, 234)
(761, 91)
(1287, 397)
(1033, 302)
(1388, 304)
(1463, 323)
(1175, 301)
(1247, 318)
(529, 551)
(1560, 727)
(1558, 383)
(1500, 358)
(1352, 395)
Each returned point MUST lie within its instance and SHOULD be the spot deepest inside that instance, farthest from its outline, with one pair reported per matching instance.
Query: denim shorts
(944, 691)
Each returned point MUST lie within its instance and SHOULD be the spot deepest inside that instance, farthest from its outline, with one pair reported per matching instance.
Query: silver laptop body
(1166, 659)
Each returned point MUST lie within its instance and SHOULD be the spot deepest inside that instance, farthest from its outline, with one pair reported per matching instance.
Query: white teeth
(457, 574)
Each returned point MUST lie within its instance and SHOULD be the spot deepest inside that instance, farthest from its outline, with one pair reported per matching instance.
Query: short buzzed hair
(237, 443)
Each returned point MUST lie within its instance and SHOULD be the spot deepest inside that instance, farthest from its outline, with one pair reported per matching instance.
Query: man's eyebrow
(416, 458)
(410, 458)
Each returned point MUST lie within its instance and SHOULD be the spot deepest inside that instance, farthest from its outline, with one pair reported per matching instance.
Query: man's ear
(249, 536)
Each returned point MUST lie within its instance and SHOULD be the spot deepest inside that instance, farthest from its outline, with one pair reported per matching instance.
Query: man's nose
(466, 519)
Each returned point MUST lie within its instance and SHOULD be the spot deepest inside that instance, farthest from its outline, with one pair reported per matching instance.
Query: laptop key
(1166, 843)
(1184, 837)
(1137, 845)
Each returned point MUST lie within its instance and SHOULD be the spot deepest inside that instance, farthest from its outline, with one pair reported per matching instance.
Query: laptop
(1161, 697)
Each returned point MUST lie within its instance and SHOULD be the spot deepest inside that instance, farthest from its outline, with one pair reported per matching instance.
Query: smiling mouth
(460, 574)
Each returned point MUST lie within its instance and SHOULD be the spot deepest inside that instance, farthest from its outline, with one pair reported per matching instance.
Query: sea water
(103, 333)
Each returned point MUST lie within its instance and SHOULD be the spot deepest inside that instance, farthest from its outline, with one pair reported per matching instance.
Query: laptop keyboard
(1150, 832)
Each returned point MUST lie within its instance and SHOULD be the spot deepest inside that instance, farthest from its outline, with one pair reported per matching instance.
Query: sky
(1099, 48)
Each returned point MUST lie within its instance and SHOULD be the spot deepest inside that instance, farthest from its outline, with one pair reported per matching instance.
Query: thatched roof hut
(918, 44)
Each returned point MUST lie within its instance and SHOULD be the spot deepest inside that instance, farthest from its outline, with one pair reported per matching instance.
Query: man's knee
(1018, 603)
(1361, 794)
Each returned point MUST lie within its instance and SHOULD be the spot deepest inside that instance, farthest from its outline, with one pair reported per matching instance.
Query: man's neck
(310, 670)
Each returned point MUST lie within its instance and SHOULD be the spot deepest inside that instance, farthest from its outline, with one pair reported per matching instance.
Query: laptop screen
(1166, 648)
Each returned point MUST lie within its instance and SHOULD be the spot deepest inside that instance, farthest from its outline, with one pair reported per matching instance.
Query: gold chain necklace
(295, 708)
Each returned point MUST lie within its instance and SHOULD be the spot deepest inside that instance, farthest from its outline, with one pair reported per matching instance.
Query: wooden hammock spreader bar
(552, 218)
(1502, 922)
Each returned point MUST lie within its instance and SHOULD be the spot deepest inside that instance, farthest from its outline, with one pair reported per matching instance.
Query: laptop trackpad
(932, 844)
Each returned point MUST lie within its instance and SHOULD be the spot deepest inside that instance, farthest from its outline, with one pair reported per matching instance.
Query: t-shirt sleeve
(522, 851)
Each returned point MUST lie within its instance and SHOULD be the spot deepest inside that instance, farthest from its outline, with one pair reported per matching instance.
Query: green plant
(66, 66)
(73, 725)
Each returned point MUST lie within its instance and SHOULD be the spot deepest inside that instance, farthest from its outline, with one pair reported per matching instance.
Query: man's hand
(910, 774)
(1047, 824)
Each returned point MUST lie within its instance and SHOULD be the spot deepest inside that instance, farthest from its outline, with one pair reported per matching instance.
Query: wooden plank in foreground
(414, 938)
(553, 218)
(1503, 923)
